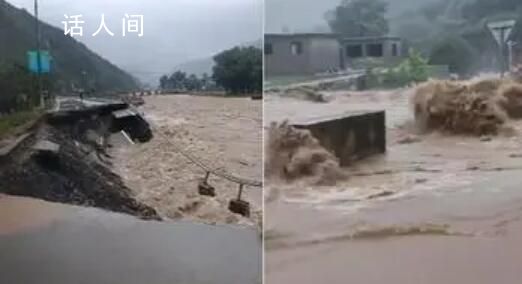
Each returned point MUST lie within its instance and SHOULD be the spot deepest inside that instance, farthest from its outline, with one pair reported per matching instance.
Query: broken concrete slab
(350, 136)
(124, 113)
(46, 146)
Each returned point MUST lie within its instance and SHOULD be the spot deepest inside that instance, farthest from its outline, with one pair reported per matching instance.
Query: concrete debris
(46, 146)
(70, 174)
(409, 139)
(381, 194)
(307, 93)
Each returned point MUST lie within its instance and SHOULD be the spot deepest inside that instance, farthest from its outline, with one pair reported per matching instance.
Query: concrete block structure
(350, 136)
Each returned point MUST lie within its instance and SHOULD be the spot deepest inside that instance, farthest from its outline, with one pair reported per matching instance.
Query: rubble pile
(307, 93)
(73, 174)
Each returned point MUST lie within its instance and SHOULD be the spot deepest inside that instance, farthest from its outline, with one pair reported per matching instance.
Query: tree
(180, 81)
(239, 70)
(164, 82)
(413, 69)
(455, 52)
(177, 80)
(355, 18)
(18, 89)
(192, 83)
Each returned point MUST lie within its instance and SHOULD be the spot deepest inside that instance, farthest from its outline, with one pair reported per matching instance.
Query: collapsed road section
(66, 152)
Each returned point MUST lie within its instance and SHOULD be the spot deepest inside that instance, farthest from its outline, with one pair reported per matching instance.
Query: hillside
(455, 33)
(71, 58)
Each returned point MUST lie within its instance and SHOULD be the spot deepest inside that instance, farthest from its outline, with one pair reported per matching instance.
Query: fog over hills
(73, 63)
(204, 65)
(175, 31)
(308, 15)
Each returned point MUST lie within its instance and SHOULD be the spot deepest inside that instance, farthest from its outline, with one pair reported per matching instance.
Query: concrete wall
(282, 61)
(325, 54)
(351, 136)
(319, 54)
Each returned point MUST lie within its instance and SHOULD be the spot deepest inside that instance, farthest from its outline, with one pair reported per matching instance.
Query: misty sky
(175, 31)
(308, 15)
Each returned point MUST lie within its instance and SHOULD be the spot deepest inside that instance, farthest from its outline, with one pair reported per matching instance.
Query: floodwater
(434, 209)
(42, 242)
(223, 133)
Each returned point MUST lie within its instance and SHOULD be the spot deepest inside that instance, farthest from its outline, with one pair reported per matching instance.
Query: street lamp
(83, 90)
(38, 55)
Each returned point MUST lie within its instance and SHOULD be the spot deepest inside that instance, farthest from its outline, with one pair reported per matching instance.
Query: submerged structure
(350, 136)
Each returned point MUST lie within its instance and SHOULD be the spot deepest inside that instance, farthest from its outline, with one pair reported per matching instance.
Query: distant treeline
(237, 71)
(180, 80)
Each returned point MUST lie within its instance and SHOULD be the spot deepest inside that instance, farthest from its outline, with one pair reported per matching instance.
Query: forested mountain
(72, 62)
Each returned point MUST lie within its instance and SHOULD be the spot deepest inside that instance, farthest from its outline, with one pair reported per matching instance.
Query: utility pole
(503, 66)
(38, 55)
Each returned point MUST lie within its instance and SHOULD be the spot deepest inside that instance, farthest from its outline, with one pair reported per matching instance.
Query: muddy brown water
(435, 209)
(42, 242)
(223, 133)
(463, 238)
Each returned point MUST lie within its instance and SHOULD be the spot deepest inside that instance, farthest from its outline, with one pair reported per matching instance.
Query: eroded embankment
(78, 173)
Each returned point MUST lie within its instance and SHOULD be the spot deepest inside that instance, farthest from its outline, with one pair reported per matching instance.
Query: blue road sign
(45, 61)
